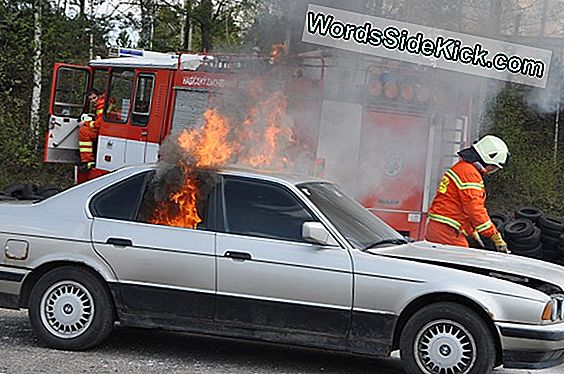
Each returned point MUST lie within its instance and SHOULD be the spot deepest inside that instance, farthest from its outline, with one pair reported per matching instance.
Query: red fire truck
(381, 130)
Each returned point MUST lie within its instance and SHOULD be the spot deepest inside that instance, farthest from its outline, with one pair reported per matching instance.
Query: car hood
(478, 261)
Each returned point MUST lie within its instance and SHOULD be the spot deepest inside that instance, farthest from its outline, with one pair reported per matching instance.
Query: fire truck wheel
(447, 337)
(71, 309)
(551, 223)
(529, 212)
(519, 228)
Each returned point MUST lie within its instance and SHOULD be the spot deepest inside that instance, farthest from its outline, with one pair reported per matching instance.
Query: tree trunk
(206, 25)
(36, 91)
(81, 6)
(146, 8)
(187, 26)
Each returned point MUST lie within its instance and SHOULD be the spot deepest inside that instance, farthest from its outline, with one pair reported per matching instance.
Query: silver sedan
(279, 258)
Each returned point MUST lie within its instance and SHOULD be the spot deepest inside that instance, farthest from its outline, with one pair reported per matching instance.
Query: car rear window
(120, 201)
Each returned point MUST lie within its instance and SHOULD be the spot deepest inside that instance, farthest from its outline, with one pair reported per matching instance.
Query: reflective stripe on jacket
(460, 201)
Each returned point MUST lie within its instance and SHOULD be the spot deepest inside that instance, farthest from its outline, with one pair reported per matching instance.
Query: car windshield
(360, 227)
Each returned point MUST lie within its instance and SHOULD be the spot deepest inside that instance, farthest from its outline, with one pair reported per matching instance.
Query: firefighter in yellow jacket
(458, 210)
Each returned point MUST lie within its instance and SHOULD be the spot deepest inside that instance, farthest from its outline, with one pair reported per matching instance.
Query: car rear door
(161, 270)
(268, 278)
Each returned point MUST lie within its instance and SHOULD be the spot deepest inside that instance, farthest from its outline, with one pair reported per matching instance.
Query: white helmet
(492, 151)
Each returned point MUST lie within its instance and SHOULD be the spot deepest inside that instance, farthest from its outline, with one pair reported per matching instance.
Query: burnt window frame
(145, 115)
(222, 214)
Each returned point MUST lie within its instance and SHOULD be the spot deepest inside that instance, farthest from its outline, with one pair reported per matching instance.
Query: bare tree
(36, 91)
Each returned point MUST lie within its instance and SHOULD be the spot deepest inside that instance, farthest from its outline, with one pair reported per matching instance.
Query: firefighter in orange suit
(458, 210)
(88, 131)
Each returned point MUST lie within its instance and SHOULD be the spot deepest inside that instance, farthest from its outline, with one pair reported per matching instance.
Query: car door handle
(238, 255)
(120, 242)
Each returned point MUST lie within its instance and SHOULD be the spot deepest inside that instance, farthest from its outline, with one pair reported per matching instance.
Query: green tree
(533, 176)
(64, 38)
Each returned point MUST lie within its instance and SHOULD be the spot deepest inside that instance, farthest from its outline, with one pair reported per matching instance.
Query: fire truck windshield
(360, 227)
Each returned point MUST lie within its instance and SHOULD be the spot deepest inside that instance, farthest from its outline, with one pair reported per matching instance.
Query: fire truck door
(142, 145)
(68, 100)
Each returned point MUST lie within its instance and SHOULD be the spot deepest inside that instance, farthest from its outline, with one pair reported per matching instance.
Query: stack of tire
(531, 234)
(551, 236)
(523, 236)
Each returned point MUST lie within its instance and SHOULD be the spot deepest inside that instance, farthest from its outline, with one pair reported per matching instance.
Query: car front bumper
(532, 346)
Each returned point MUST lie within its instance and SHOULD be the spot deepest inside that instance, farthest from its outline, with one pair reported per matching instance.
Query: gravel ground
(152, 351)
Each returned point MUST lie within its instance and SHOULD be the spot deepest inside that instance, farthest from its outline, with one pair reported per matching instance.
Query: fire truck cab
(381, 130)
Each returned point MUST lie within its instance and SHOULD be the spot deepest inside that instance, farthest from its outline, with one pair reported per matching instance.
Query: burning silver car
(269, 257)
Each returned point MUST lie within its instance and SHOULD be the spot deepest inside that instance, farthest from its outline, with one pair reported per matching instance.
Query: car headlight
(554, 309)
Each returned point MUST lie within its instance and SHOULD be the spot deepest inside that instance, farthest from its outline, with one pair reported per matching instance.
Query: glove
(499, 243)
(475, 237)
(474, 240)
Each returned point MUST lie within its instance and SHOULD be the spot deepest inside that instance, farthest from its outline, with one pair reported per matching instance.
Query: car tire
(520, 228)
(498, 225)
(548, 232)
(551, 255)
(551, 223)
(532, 252)
(71, 309)
(461, 331)
(47, 191)
(531, 240)
(549, 242)
(529, 212)
(501, 217)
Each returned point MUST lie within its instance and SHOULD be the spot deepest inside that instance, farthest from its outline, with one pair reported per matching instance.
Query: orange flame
(278, 52)
(181, 209)
(209, 146)
(258, 140)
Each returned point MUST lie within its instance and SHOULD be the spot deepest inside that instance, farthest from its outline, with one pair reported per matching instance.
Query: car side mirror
(315, 232)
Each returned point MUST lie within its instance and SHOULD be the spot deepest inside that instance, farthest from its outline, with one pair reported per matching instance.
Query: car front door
(161, 270)
(268, 277)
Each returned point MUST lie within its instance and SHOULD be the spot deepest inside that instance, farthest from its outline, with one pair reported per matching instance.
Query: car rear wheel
(447, 338)
(71, 309)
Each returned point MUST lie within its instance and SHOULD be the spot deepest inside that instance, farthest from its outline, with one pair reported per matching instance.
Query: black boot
(86, 166)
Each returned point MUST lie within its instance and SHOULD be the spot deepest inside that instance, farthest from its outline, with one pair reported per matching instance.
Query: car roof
(235, 170)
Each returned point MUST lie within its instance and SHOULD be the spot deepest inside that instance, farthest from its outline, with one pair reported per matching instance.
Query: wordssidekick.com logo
(419, 44)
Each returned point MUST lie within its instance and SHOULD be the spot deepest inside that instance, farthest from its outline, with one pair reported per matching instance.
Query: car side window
(168, 200)
(263, 209)
(120, 201)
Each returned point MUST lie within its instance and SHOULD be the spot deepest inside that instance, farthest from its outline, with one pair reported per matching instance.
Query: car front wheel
(71, 309)
(447, 338)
